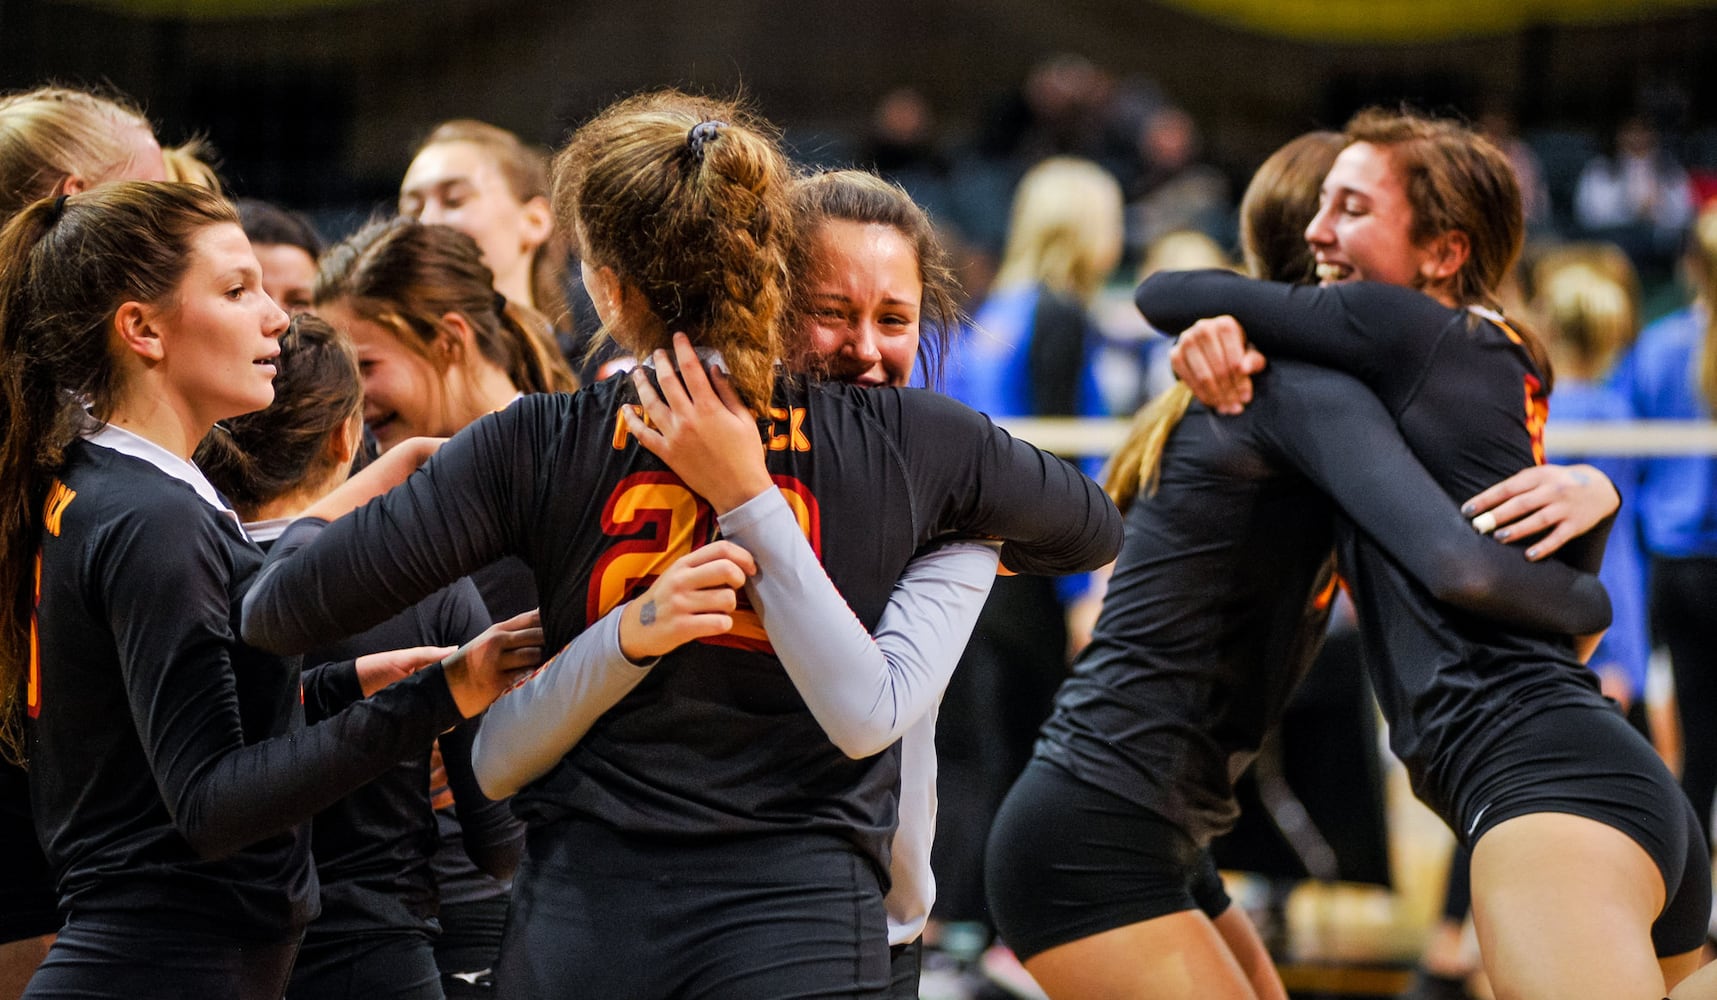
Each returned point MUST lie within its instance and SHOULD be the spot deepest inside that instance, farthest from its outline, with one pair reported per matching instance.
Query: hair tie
(58, 209)
(701, 134)
(500, 305)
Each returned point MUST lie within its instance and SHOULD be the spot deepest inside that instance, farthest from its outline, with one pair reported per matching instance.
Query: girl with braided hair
(717, 832)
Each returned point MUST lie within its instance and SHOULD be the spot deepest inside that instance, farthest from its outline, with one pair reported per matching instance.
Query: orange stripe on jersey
(1537, 402)
(1537, 415)
(59, 498)
(33, 690)
(1326, 595)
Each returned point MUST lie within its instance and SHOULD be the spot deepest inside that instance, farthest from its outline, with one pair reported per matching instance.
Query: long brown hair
(405, 275)
(525, 169)
(1458, 181)
(1279, 202)
(687, 199)
(262, 456)
(66, 266)
(863, 197)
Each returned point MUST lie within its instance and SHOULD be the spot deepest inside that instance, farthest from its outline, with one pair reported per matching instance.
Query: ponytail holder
(701, 134)
(500, 305)
(58, 210)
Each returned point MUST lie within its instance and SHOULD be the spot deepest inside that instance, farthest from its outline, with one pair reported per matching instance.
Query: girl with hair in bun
(721, 831)
(876, 301)
(171, 772)
(1590, 874)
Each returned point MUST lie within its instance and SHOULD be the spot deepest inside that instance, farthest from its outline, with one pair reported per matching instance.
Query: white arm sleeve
(865, 693)
(530, 728)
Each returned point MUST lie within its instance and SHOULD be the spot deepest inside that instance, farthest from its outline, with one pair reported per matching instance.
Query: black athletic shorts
(905, 962)
(598, 913)
(399, 966)
(1068, 860)
(130, 959)
(1588, 761)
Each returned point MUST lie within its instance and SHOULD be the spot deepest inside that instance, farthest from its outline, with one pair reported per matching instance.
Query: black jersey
(1218, 601)
(373, 848)
(1472, 403)
(716, 739)
(170, 773)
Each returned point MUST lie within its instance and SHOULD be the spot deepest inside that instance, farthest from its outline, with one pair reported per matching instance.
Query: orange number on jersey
(660, 520)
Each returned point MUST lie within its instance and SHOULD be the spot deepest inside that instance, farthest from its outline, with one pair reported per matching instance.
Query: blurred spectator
(1638, 196)
(903, 135)
(1498, 125)
(1175, 190)
(1671, 374)
(287, 247)
(1586, 302)
(1132, 359)
(1056, 112)
(1028, 353)
(192, 162)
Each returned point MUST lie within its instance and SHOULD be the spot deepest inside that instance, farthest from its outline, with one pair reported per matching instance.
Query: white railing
(1074, 437)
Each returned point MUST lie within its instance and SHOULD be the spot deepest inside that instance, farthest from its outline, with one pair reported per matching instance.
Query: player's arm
(1382, 334)
(1341, 438)
(864, 691)
(462, 510)
(528, 730)
(169, 606)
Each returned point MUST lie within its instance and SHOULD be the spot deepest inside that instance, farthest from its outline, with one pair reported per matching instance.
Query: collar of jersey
(708, 355)
(126, 443)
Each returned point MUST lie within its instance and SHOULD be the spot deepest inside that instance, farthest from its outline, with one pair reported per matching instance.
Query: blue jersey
(1626, 644)
(1677, 512)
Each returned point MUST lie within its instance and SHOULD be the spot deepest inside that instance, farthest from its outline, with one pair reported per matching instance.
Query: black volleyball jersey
(372, 848)
(1218, 601)
(716, 739)
(1469, 399)
(170, 773)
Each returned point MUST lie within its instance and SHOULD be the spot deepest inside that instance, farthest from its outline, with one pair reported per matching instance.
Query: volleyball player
(170, 770)
(53, 140)
(875, 295)
(1590, 877)
(706, 837)
(1214, 611)
(372, 849)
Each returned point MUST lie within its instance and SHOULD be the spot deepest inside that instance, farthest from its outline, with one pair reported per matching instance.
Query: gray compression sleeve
(864, 692)
(530, 728)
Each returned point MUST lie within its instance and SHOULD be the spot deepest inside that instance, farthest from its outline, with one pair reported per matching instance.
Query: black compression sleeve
(459, 512)
(168, 601)
(329, 687)
(1383, 334)
(494, 838)
(1339, 436)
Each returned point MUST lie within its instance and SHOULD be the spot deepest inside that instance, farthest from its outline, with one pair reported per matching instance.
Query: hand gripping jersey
(716, 740)
(1468, 398)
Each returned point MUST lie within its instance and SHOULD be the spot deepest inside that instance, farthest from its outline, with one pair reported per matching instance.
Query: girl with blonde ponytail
(722, 830)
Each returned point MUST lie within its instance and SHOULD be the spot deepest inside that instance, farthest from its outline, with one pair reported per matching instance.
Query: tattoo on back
(647, 613)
